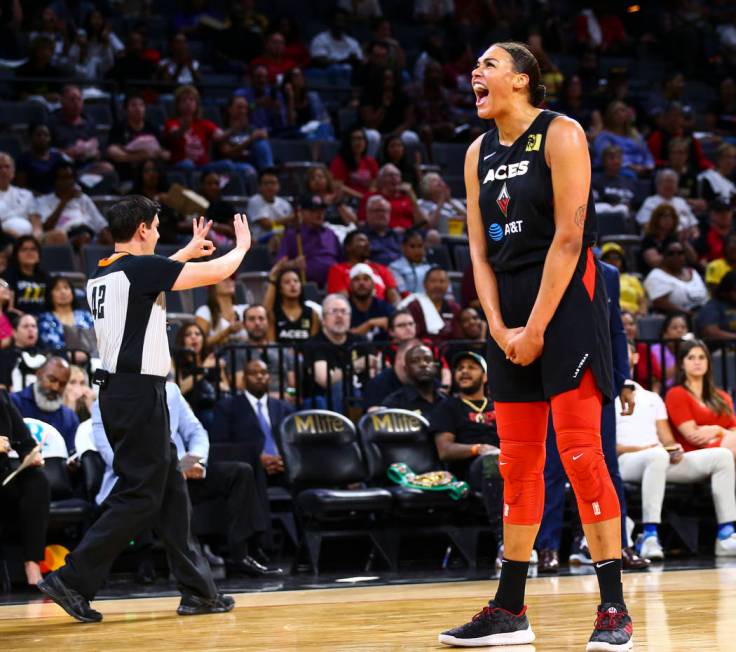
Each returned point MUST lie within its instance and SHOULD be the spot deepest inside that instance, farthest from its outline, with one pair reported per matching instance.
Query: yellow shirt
(716, 270)
(632, 293)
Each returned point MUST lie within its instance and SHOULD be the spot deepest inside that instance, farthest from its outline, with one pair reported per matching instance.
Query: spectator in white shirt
(67, 213)
(18, 213)
(648, 453)
(666, 182)
(266, 209)
(675, 287)
(180, 67)
(333, 46)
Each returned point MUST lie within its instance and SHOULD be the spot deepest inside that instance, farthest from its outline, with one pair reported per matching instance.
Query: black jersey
(516, 198)
(126, 296)
(292, 330)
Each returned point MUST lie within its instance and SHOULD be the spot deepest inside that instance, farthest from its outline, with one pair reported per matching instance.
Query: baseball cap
(360, 268)
(612, 247)
(470, 355)
(311, 201)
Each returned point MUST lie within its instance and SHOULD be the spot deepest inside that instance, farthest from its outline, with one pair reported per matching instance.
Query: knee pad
(521, 465)
(586, 469)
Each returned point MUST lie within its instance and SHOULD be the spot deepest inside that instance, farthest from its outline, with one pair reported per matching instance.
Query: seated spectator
(20, 362)
(67, 213)
(352, 166)
(613, 192)
(369, 314)
(242, 39)
(394, 152)
(663, 356)
(720, 117)
(662, 230)
(35, 166)
(219, 211)
(291, 318)
(630, 327)
(720, 225)
(268, 109)
(666, 182)
(274, 58)
(357, 249)
(6, 326)
(316, 248)
(242, 142)
(189, 136)
(433, 312)
(18, 213)
(334, 47)
(151, 181)
(44, 400)
(103, 45)
(26, 498)
(39, 71)
(444, 213)
(199, 374)
(718, 268)
(678, 159)
(632, 296)
(266, 210)
(231, 483)
(64, 326)
(180, 67)
(619, 130)
(75, 133)
(675, 287)
(385, 242)
(716, 183)
(410, 269)
(392, 377)
(405, 209)
(135, 62)
(338, 212)
(134, 140)
(648, 454)
(385, 107)
(575, 104)
(717, 318)
(473, 332)
(672, 124)
(294, 47)
(26, 279)
(221, 319)
(420, 392)
(78, 395)
(382, 32)
(700, 413)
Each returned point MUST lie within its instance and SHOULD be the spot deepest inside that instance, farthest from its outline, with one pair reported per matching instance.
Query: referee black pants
(150, 492)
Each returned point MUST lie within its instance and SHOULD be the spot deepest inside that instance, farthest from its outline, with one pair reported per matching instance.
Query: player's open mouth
(481, 94)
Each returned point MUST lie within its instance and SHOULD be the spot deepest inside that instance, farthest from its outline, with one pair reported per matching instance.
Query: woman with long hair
(352, 166)
(661, 358)
(291, 320)
(63, 320)
(25, 277)
(659, 232)
(394, 151)
(221, 319)
(532, 226)
(701, 414)
(337, 210)
(618, 129)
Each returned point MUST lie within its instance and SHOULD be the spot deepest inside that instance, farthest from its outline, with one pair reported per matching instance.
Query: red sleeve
(387, 275)
(679, 405)
(337, 279)
(701, 159)
(372, 166)
(172, 124)
(655, 147)
(338, 169)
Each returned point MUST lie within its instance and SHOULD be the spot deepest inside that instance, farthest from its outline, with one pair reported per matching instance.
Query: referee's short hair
(125, 216)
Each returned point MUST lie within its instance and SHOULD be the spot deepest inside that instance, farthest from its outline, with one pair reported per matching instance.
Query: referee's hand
(199, 246)
(242, 231)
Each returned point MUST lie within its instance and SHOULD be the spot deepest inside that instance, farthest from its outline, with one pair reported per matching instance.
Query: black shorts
(577, 338)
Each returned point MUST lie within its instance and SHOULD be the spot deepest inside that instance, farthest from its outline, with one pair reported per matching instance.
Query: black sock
(512, 585)
(609, 580)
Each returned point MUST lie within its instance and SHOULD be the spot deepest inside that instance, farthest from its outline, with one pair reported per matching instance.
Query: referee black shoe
(193, 605)
(613, 630)
(491, 626)
(71, 601)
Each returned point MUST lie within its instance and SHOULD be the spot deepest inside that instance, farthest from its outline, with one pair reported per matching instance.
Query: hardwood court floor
(678, 611)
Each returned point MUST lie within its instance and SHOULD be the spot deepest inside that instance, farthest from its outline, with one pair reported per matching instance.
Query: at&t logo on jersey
(507, 171)
(496, 232)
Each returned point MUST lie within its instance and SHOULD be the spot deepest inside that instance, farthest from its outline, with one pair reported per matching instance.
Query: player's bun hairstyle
(128, 214)
(526, 63)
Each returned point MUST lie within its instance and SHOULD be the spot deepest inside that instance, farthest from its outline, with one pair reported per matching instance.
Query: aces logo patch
(503, 200)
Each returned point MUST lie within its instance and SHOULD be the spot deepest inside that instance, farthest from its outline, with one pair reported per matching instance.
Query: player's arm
(194, 275)
(483, 274)
(448, 450)
(567, 155)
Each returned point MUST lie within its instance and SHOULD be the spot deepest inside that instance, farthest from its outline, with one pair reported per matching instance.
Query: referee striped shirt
(128, 304)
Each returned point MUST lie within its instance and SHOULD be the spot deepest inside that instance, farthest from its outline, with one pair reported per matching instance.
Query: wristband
(475, 450)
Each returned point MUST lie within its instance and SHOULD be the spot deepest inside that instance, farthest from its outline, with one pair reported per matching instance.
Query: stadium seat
(100, 112)
(11, 144)
(611, 223)
(257, 260)
(650, 326)
(57, 258)
(18, 115)
(439, 255)
(290, 151)
(462, 258)
(322, 457)
(91, 255)
(156, 115)
(254, 285)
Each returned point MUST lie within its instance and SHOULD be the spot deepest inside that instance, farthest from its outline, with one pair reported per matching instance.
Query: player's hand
(242, 232)
(199, 246)
(627, 401)
(525, 347)
(504, 335)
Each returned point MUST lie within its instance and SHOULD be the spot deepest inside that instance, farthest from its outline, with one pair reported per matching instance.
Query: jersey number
(98, 302)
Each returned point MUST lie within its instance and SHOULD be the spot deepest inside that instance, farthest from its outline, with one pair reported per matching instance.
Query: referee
(126, 296)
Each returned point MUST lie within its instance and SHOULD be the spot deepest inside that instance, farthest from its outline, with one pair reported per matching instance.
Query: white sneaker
(726, 547)
(650, 548)
(534, 559)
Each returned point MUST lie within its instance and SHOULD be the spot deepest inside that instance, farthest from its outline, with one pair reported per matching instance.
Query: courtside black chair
(322, 457)
(394, 435)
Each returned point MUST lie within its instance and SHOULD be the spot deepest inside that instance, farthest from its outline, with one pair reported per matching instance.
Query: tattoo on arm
(580, 215)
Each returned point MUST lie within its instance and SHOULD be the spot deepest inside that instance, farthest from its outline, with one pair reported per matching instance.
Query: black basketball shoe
(71, 601)
(491, 626)
(193, 605)
(613, 629)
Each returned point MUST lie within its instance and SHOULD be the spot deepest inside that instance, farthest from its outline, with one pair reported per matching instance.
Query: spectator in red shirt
(405, 209)
(700, 413)
(274, 57)
(190, 136)
(720, 226)
(295, 49)
(672, 125)
(357, 249)
(352, 166)
(599, 30)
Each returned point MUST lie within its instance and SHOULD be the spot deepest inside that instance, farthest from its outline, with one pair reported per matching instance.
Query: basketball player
(531, 226)
(126, 297)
